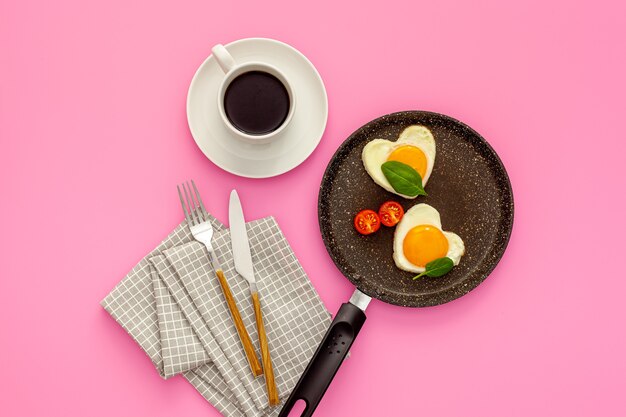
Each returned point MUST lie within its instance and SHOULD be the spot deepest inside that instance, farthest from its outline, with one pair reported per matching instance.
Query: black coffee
(256, 103)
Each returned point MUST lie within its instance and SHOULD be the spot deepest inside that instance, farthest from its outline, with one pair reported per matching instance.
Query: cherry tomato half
(366, 222)
(390, 213)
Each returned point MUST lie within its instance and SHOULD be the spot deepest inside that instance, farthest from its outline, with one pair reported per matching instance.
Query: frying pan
(471, 190)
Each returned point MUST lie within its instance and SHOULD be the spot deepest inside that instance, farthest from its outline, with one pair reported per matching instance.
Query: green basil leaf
(403, 178)
(437, 268)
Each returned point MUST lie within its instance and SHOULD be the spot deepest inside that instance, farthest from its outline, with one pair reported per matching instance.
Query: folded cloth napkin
(171, 304)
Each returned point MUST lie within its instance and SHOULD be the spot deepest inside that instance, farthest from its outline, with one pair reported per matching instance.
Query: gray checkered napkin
(172, 306)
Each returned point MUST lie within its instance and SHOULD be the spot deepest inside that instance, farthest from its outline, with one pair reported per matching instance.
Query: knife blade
(240, 243)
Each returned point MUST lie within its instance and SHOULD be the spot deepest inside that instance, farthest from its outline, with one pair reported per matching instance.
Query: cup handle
(223, 58)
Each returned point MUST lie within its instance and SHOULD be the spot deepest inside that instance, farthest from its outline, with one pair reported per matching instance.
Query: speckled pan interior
(469, 187)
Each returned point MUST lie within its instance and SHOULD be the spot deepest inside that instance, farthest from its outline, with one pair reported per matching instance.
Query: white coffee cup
(232, 70)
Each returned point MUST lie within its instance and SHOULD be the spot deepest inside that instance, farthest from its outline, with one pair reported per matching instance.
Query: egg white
(415, 216)
(376, 152)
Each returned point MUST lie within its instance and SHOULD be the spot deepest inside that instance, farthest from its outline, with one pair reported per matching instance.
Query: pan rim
(461, 287)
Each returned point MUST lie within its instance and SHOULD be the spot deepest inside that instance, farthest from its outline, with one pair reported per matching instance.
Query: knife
(243, 265)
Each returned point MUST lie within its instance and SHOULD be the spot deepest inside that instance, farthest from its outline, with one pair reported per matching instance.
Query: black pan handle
(331, 352)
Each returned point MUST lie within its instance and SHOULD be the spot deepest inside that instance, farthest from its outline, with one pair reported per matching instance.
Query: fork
(201, 229)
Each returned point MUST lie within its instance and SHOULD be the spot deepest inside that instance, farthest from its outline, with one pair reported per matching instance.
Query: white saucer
(292, 146)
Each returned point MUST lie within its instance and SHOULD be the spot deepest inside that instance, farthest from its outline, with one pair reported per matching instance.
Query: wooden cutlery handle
(268, 370)
(255, 366)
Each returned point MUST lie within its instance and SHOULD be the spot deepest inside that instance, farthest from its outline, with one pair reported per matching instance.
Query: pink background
(94, 138)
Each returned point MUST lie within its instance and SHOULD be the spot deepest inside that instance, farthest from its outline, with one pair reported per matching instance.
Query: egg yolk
(424, 243)
(412, 156)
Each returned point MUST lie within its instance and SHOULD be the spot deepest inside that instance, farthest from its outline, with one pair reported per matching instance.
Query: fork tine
(205, 213)
(195, 206)
(190, 203)
(182, 202)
